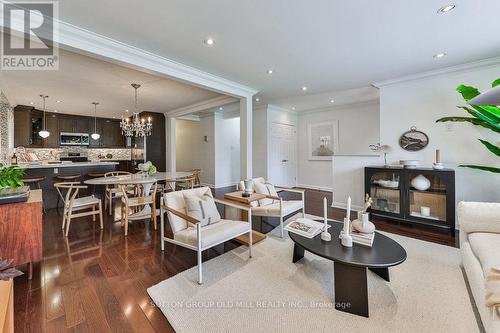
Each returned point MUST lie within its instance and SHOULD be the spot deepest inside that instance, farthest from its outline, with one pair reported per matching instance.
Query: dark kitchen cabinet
(111, 134)
(72, 124)
(28, 122)
(156, 143)
(22, 127)
(52, 123)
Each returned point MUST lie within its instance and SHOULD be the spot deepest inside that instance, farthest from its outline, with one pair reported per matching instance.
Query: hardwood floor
(96, 280)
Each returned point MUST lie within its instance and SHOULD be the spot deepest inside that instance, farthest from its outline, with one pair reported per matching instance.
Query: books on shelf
(305, 227)
(361, 238)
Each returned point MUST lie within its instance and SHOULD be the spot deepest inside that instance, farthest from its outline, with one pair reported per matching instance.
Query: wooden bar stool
(34, 183)
(66, 179)
(95, 175)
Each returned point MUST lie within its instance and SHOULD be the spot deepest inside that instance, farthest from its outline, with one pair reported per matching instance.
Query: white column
(170, 124)
(246, 137)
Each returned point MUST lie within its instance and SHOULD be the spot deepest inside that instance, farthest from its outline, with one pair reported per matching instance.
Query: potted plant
(10, 177)
(487, 116)
(7, 273)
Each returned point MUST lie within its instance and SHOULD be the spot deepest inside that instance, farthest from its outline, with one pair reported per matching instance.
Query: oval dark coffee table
(350, 264)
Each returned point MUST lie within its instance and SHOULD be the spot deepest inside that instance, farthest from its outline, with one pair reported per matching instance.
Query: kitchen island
(50, 170)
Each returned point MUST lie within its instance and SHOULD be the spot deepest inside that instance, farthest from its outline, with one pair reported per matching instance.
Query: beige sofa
(480, 247)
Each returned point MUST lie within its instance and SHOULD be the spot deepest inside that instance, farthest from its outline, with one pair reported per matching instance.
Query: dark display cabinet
(417, 196)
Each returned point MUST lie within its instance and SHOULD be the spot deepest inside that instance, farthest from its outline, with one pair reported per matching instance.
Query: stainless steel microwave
(74, 139)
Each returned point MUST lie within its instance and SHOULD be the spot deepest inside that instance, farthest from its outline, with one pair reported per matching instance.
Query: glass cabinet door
(36, 127)
(385, 192)
(427, 197)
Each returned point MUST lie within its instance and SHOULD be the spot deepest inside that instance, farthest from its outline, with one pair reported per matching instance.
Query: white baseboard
(343, 205)
(314, 187)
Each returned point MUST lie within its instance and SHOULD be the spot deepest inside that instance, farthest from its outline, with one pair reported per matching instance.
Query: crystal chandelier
(136, 126)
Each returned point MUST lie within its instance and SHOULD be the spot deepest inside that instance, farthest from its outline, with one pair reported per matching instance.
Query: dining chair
(140, 205)
(196, 175)
(74, 207)
(185, 183)
(112, 191)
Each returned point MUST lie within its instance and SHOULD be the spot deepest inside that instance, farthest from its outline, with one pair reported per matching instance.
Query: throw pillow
(267, 189)
(202, 208)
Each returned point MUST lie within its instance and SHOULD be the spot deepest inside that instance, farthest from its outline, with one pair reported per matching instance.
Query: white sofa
(480, 247)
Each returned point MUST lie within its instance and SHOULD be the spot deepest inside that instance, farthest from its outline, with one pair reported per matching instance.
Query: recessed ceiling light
(293, 108)
(269, 71)
(126, 110)
(209, 41)
(59, 101)
(304, 88)
(31, 103)
(446, 8)
(332, 100)
(55, 111)
(221, 108)
(439, 55)
(257, 99)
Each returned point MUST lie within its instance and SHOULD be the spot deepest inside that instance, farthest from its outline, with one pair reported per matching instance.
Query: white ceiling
(81, 80)
(327, 45)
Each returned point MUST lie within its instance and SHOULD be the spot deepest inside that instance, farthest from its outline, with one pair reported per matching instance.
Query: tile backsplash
(47, 154)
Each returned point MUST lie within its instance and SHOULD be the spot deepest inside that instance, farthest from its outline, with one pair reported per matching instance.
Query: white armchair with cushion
(196, 223)
(480, 248)
(273, 205)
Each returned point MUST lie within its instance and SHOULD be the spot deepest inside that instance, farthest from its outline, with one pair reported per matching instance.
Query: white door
(282, 154)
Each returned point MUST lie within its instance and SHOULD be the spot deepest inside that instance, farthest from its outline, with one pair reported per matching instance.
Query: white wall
(219, 157)
(227, 151)
(419, 103)
(188, 142)
(207, 149)
(356, 121)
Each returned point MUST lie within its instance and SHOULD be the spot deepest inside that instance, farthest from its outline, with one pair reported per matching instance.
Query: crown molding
(490, 62)
(190, 117)
(201, 106)
(340, 107)
(76, 39)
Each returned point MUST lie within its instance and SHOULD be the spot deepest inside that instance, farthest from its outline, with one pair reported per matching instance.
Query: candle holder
(346, 236)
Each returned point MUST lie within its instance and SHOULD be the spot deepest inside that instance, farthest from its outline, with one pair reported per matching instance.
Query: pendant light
(95, 135)
(136, 126)
(44, 133)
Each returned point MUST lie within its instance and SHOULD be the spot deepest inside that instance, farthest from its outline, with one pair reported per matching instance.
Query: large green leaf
(468, 92)
(491, 147)
(480, 167)
(486, 117)
(492, 112)
(495, 83)
(474, 121)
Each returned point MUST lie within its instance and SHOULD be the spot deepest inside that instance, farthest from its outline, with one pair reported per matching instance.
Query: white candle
(348, 215)
(325, 211)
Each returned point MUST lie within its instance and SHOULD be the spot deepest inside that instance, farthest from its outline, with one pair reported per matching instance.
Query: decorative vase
(363, 224)
(421, 183)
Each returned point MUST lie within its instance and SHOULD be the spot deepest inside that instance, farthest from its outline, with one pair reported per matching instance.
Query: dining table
(138, 179)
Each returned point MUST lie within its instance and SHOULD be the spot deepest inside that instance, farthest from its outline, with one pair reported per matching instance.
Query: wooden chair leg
(110, 200)
(64, 219)
(126, 223)
(68, 222)
(93, 211)
(100, 215)
(153, 215)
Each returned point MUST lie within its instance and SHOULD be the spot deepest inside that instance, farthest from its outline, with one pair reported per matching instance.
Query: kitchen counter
(45, 165)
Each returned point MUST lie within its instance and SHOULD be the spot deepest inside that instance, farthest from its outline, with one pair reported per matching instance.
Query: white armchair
(197, 237)
(274, 205)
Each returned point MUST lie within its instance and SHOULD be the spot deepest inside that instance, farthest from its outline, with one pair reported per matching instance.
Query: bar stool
(34, 183)
(95, 175)
(66, 179)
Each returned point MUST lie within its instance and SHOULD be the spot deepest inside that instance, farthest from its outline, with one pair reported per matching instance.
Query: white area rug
(268, 293)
